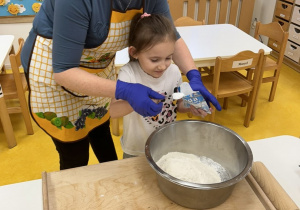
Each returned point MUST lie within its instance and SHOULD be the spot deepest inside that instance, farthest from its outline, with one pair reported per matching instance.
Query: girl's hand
(198, 112)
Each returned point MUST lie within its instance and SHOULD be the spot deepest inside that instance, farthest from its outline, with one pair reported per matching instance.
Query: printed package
(191, 97)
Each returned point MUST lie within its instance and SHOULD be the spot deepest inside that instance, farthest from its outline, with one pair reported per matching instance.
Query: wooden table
(280, 155)
(6, 47)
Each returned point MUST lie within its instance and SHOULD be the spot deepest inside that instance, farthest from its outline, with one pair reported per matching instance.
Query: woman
(69, 60)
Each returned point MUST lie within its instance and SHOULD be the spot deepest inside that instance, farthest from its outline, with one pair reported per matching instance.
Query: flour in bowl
(189, 167)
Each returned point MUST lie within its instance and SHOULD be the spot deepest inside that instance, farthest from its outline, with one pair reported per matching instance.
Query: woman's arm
(182, 57)
(119, 108)
(85, 83)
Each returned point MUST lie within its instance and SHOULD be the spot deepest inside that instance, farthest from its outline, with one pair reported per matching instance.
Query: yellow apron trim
(122, 17)
(69, 135)
(89, 70)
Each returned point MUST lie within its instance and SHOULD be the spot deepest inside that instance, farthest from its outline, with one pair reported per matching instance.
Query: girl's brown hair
(147, 31)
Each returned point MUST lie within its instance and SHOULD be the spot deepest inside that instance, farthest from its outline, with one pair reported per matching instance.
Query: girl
(151, 46)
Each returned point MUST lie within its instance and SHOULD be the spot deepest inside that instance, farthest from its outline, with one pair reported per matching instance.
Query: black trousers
(75, 154)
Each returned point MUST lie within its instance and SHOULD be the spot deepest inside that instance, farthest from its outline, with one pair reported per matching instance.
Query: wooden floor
(36, 153)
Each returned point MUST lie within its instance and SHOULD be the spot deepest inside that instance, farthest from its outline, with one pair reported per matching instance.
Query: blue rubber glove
(139, 97)
(196, 84)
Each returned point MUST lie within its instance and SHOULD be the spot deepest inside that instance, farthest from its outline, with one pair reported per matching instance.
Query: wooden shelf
(287, 61)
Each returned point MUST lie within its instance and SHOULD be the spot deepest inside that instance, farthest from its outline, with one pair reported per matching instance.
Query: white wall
(263, 11)
(16, 29)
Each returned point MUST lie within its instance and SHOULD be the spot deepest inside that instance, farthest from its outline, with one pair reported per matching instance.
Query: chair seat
(9, 87)
(269, 64)
(229, 85)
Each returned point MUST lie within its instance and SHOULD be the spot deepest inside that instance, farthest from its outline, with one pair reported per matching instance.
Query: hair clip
(145, 15)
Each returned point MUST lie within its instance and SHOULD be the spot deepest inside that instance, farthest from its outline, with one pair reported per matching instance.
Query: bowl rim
(177, 181)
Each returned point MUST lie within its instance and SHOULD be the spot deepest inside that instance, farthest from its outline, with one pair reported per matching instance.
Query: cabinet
(287, 14)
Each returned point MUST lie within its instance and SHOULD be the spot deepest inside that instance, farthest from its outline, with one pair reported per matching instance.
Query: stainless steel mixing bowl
(201, 138)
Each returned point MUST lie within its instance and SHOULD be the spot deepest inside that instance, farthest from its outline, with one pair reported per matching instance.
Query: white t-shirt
(136, 128)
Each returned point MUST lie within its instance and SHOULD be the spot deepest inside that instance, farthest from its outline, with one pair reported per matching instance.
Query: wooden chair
(187, 21)
(226, 81)
(6, 123)
(14, 86)
(278, 39)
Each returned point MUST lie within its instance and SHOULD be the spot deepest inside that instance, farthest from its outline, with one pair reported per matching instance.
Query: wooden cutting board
(131, 184)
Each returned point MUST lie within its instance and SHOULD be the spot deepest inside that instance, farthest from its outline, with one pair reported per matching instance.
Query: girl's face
(157, 59)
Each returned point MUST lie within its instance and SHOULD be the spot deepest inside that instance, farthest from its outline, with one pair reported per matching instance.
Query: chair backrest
(15, 62)
(243, 60)
(235, 12)
(274, 32)
(187, 21)
(20, 87)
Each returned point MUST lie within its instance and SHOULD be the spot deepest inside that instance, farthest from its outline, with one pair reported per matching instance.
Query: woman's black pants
(75, 154)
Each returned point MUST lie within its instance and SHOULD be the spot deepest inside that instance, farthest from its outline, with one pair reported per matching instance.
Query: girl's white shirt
(136, 128)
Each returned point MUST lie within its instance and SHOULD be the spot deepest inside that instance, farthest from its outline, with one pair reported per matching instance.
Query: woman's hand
(139, 97)
(196, 83)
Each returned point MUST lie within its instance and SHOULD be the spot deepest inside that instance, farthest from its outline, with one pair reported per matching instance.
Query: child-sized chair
(279, 38)
(226, 81)
(277, 41)
(6, 123)
(14, 86)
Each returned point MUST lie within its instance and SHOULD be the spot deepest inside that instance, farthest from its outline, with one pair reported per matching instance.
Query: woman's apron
(66, 115)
